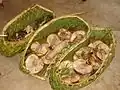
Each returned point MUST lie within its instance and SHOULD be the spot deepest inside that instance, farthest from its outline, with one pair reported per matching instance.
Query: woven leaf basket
(35, 15)
(103, 34)
(67, 22)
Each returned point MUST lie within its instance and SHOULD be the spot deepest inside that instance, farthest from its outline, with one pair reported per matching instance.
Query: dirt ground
(100, 12)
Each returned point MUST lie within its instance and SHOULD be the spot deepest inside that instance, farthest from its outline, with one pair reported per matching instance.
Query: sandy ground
(100, 12)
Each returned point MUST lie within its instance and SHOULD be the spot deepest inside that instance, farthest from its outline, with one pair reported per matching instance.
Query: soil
(100, 12)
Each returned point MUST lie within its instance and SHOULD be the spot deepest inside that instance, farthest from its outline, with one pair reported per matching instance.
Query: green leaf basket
(35, 14)
(67, 22)
(103, 34)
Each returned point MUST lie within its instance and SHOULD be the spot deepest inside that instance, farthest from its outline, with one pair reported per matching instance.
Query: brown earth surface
(100, 12)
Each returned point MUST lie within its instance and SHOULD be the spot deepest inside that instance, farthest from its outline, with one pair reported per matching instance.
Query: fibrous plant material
(52, 40)
(20, 29)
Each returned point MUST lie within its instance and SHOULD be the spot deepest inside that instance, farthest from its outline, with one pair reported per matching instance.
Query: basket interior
(105, 36)
(70, 23)
(34, 14)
